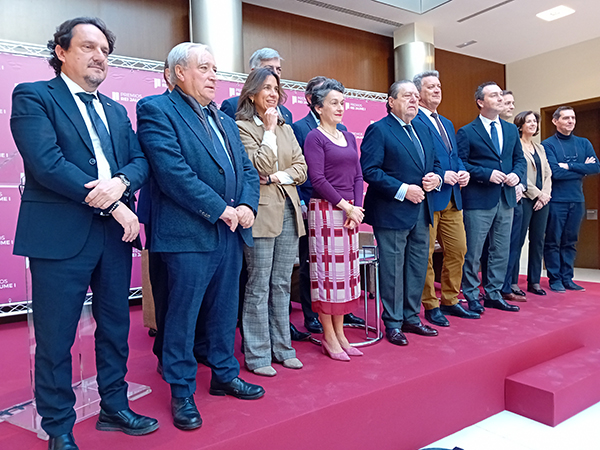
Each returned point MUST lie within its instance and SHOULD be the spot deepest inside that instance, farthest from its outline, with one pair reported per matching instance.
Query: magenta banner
(125, 86)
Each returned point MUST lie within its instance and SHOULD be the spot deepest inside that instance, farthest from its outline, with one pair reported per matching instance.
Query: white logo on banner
(4, 284)
(157, 83)
(355, 106)
(4, 198)
(4, 241)
(115, 96)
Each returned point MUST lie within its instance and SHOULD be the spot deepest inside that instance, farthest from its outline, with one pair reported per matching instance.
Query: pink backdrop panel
(125, 86)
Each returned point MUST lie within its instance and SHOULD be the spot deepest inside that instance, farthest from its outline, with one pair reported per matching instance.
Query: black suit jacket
(230, 105)
(388, 159)
(480, 158)
(301, 129)
(50, 133)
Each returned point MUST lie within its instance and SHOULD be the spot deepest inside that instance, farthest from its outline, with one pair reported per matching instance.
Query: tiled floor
(508, 431)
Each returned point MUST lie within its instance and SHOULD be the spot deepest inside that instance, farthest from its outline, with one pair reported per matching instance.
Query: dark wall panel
(312, 47)
(460, 75)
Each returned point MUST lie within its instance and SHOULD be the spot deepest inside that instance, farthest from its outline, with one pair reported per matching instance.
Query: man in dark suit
(399, 163)
(76, 224)
(202, 213)
(301, 129)
(264, 57)
(491, 151)
(448, 226)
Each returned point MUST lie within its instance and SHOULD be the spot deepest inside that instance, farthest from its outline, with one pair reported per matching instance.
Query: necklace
(335, 136)
(528, 145)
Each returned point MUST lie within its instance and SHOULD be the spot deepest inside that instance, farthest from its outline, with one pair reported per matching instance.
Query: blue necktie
(101, 131)
(495, 139)
(416, 143)
(442, 131)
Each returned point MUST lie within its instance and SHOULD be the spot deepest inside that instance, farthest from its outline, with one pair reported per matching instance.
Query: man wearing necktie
(202, 213)
(448, 226)
(76, 224)
(399, 163)
(491, 152)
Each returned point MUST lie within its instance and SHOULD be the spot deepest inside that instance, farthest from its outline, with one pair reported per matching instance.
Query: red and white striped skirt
(334, 263)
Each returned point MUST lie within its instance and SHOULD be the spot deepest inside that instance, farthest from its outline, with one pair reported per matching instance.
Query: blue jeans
(562, 233)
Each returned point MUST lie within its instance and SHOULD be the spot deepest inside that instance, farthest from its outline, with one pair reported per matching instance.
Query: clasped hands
(241, 215)
(105, 193)
(416, 193)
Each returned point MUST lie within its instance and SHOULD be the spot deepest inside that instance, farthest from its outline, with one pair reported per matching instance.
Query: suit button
(222, 195)
(92, 162)
(221, 171)
(500, 161)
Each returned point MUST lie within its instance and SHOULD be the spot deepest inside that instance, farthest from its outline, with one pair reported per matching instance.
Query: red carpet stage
(393, 398)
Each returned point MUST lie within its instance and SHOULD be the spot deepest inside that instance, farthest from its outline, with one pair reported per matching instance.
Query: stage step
(557, 389)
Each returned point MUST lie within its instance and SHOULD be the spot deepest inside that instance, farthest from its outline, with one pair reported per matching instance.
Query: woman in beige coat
(535, 198)
(276, 155)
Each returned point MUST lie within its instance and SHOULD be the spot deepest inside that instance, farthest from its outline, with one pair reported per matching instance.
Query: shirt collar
(487, 121)
(316, 118)
(74, 88)
(426, 111)
(257, 121)
(399, 120)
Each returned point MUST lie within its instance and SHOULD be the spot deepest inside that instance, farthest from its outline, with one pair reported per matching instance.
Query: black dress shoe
(395, 336)
(62, 442)
(500, 304)
(570, 286)
(475, 306)
(536, 291)
(519, 292)
(313, 325)
(436, 317)
(419, 328)
(459, 311)
(185, 414)
(351, 319)
(237, 388)
(297, 335)
(126, 421)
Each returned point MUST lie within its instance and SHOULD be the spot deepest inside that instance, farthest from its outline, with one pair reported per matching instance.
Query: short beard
(93, 81)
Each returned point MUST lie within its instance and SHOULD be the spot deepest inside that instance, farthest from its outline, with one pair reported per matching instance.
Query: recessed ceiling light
(555, 13)
(466, 44)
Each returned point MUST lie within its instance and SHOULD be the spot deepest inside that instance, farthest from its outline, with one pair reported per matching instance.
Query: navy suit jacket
(50, 133)
(230, 105)
(190, 183)
(301, 129)
(480, 158)
(388, 159)
(448, 161)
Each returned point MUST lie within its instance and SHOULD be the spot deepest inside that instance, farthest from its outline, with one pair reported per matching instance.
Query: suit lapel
(403, 138)
(310, 120)
(505, 134)
(432, 127)
(63, 97)
(191, 119)
(480, 129)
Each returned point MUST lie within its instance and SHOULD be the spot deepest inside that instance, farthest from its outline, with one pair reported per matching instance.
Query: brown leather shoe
(419, 328)
(513, 297)
(395, 336)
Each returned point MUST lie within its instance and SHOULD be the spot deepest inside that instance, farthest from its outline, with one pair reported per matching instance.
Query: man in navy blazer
(264, 57)
(448, 226)
(301, 129)
(76, 224)
(490, 149)
(202, 213)
(402, 169)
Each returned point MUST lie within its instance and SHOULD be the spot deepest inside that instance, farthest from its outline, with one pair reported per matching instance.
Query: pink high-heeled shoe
(352, 351)
(341, 356)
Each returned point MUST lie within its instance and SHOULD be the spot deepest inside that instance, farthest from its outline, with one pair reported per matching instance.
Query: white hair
(180, 55)
(263, 54)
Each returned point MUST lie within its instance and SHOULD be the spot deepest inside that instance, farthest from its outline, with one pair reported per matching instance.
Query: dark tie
(215, 139)
(495, 139)
(442, 131)
(101, 131)
(416, 143)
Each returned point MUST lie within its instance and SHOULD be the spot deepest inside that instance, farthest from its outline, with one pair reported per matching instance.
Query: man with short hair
(76, 224)
(509, 105)
(447, 224)
(490, 149)
(270, 59)
(571, 158)
(301, 129)
(399, 163)
(202, 213)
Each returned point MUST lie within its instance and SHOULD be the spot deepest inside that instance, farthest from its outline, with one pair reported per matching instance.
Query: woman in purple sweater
(335, 212)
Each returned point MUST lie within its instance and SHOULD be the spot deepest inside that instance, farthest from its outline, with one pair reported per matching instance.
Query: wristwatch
(126, 182)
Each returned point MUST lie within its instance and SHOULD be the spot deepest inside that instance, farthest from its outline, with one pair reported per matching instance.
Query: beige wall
(561, 76)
